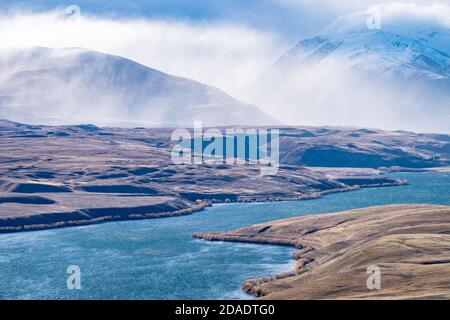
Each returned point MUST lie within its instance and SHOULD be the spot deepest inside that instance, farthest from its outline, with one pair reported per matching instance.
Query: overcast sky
(226, 43)
(290, 18)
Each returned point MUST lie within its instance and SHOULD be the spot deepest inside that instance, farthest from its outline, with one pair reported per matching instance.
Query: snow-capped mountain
(370, 78)
(377, 51)
(72, 86)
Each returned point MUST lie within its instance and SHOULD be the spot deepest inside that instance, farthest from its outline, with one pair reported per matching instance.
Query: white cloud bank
(230, 55)
(219, 54)
(366, 78)
(397, 17)
(226, 55)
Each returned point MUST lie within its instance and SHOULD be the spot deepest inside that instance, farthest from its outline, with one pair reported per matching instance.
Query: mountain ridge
(371, 78)
(77, 85)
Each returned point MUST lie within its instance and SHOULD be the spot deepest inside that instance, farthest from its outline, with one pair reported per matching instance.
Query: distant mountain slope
(71, 86)
(359, 147)
(299, 146)
(378, 51)
(371, 78)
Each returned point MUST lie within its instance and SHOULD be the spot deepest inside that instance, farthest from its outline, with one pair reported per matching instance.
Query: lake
(158, 259)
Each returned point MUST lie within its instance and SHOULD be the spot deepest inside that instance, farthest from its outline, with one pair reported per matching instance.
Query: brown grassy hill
(410, 243)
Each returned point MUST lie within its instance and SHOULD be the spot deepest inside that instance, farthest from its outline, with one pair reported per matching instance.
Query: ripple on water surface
(158, 259)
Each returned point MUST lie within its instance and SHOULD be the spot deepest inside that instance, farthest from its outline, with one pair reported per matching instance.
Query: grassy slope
(410, 243)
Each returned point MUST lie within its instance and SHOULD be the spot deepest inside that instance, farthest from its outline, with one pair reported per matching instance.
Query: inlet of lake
(158, 259)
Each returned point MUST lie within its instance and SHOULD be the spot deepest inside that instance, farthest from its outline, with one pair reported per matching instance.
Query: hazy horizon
(231, 47)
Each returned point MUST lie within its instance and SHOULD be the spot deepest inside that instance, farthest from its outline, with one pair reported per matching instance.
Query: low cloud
(362, 79)
(226, 55)
(397, 17)
(230, 55)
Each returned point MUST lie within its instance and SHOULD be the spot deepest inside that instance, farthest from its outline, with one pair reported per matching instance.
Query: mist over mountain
(373, 78)
(72, 86)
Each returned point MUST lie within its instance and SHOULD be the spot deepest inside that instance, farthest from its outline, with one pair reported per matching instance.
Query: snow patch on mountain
(372, 78)
(74, 85)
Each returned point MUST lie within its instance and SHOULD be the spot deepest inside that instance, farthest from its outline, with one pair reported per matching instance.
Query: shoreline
(334, 247)
(251, 286)
(81, 174)
(196, 207)
(104, 219)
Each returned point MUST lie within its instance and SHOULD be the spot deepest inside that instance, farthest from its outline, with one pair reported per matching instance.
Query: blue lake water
(158, 259)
